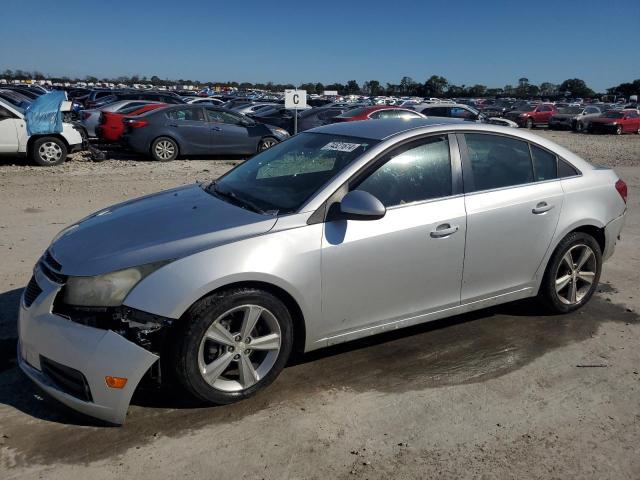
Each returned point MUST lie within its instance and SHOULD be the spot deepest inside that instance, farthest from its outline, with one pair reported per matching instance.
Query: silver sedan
(338, 233)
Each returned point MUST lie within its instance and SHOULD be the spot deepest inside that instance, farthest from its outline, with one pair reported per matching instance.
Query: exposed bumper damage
(70, 360)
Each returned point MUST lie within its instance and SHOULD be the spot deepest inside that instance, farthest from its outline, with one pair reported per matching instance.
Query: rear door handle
(542, 207)
(444, 230)
(216, 129)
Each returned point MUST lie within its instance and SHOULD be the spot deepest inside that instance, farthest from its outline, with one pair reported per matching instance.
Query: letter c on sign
(296, 99)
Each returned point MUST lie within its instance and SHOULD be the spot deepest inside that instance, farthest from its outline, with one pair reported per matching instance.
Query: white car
(49, 149)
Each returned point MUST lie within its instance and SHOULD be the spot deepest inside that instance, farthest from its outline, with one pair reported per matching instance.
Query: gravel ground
(495, 394)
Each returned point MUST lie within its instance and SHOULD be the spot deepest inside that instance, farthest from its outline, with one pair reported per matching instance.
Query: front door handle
(541, 207)
(444, 230)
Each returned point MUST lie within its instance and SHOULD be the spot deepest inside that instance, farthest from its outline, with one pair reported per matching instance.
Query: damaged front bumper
(71, 361)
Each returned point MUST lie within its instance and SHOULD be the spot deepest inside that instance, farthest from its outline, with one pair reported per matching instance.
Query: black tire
(619, 130)
(48, 151)
(579, 127)
(202, 315)
(548, 294)
(164, 149)
(266, 143)
(529, 123)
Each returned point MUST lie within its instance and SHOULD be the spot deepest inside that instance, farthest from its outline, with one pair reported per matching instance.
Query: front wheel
(233, 344)
(164, 149)
(619, 130)
(529, 123)
(48, 151)
(266, 143)
(579, 127)
(572, 274)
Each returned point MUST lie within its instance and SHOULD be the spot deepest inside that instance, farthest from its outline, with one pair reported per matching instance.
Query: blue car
(166, 133)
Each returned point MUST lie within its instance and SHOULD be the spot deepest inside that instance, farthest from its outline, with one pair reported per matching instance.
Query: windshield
(611, 114)
(280, 180)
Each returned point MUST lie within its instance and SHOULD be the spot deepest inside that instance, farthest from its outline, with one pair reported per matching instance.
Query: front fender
(288, 259)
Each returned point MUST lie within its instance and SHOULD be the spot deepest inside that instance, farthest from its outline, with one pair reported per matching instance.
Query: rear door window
(497, 161)
(189, 114)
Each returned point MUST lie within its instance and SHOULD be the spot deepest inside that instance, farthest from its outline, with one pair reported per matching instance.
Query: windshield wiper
(233, 197)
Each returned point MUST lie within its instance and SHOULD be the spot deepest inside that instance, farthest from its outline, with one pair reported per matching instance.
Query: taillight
(136, 123)
(621, 187)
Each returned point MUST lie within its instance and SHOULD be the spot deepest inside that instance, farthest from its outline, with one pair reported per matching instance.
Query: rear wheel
(572, 274)
(48, 151)
(234, 343)
(164, 149)
(266, 143)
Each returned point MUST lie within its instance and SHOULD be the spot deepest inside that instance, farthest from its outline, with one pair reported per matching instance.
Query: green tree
(477, 91)
(352, 87)
(435, 86)
(372, 87)
(548, 89)
(575, 87)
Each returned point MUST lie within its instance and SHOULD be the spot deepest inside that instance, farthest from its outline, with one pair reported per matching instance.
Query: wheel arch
(590, 227)
(170, 137)
(297, 316)
(33, 138)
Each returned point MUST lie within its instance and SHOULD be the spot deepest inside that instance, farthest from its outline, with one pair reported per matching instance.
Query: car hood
(163, 226)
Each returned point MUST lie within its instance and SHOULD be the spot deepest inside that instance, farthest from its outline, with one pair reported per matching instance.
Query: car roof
(382, 129)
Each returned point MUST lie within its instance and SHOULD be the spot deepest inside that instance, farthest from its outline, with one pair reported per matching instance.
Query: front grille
(51, 261)
(67, 379)
(31, 292)
(51, 275)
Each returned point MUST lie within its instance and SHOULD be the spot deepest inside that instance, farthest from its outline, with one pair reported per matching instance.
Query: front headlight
(108, 289)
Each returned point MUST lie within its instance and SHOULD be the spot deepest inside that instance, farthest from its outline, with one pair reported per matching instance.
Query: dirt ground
(500, 393)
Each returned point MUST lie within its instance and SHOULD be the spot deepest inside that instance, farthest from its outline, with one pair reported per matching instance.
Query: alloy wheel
(576, 274)
(267, 144)
(165, 149)
(50, 152)
(239, 348)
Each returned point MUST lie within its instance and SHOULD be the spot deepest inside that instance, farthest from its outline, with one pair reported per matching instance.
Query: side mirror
(360, 205)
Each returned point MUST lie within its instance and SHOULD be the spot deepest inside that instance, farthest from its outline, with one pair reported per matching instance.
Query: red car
(616, 121)
(532, 115)
(111, 127)
(376, 112)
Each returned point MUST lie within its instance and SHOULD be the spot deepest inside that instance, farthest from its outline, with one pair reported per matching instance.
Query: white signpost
(295, 100)
(330, 93)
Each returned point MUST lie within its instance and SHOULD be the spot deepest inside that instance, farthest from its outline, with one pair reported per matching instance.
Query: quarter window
(420, 173)
(498, 161)
(544, 164)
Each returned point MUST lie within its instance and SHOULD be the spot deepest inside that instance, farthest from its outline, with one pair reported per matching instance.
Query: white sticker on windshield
(341, 146)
